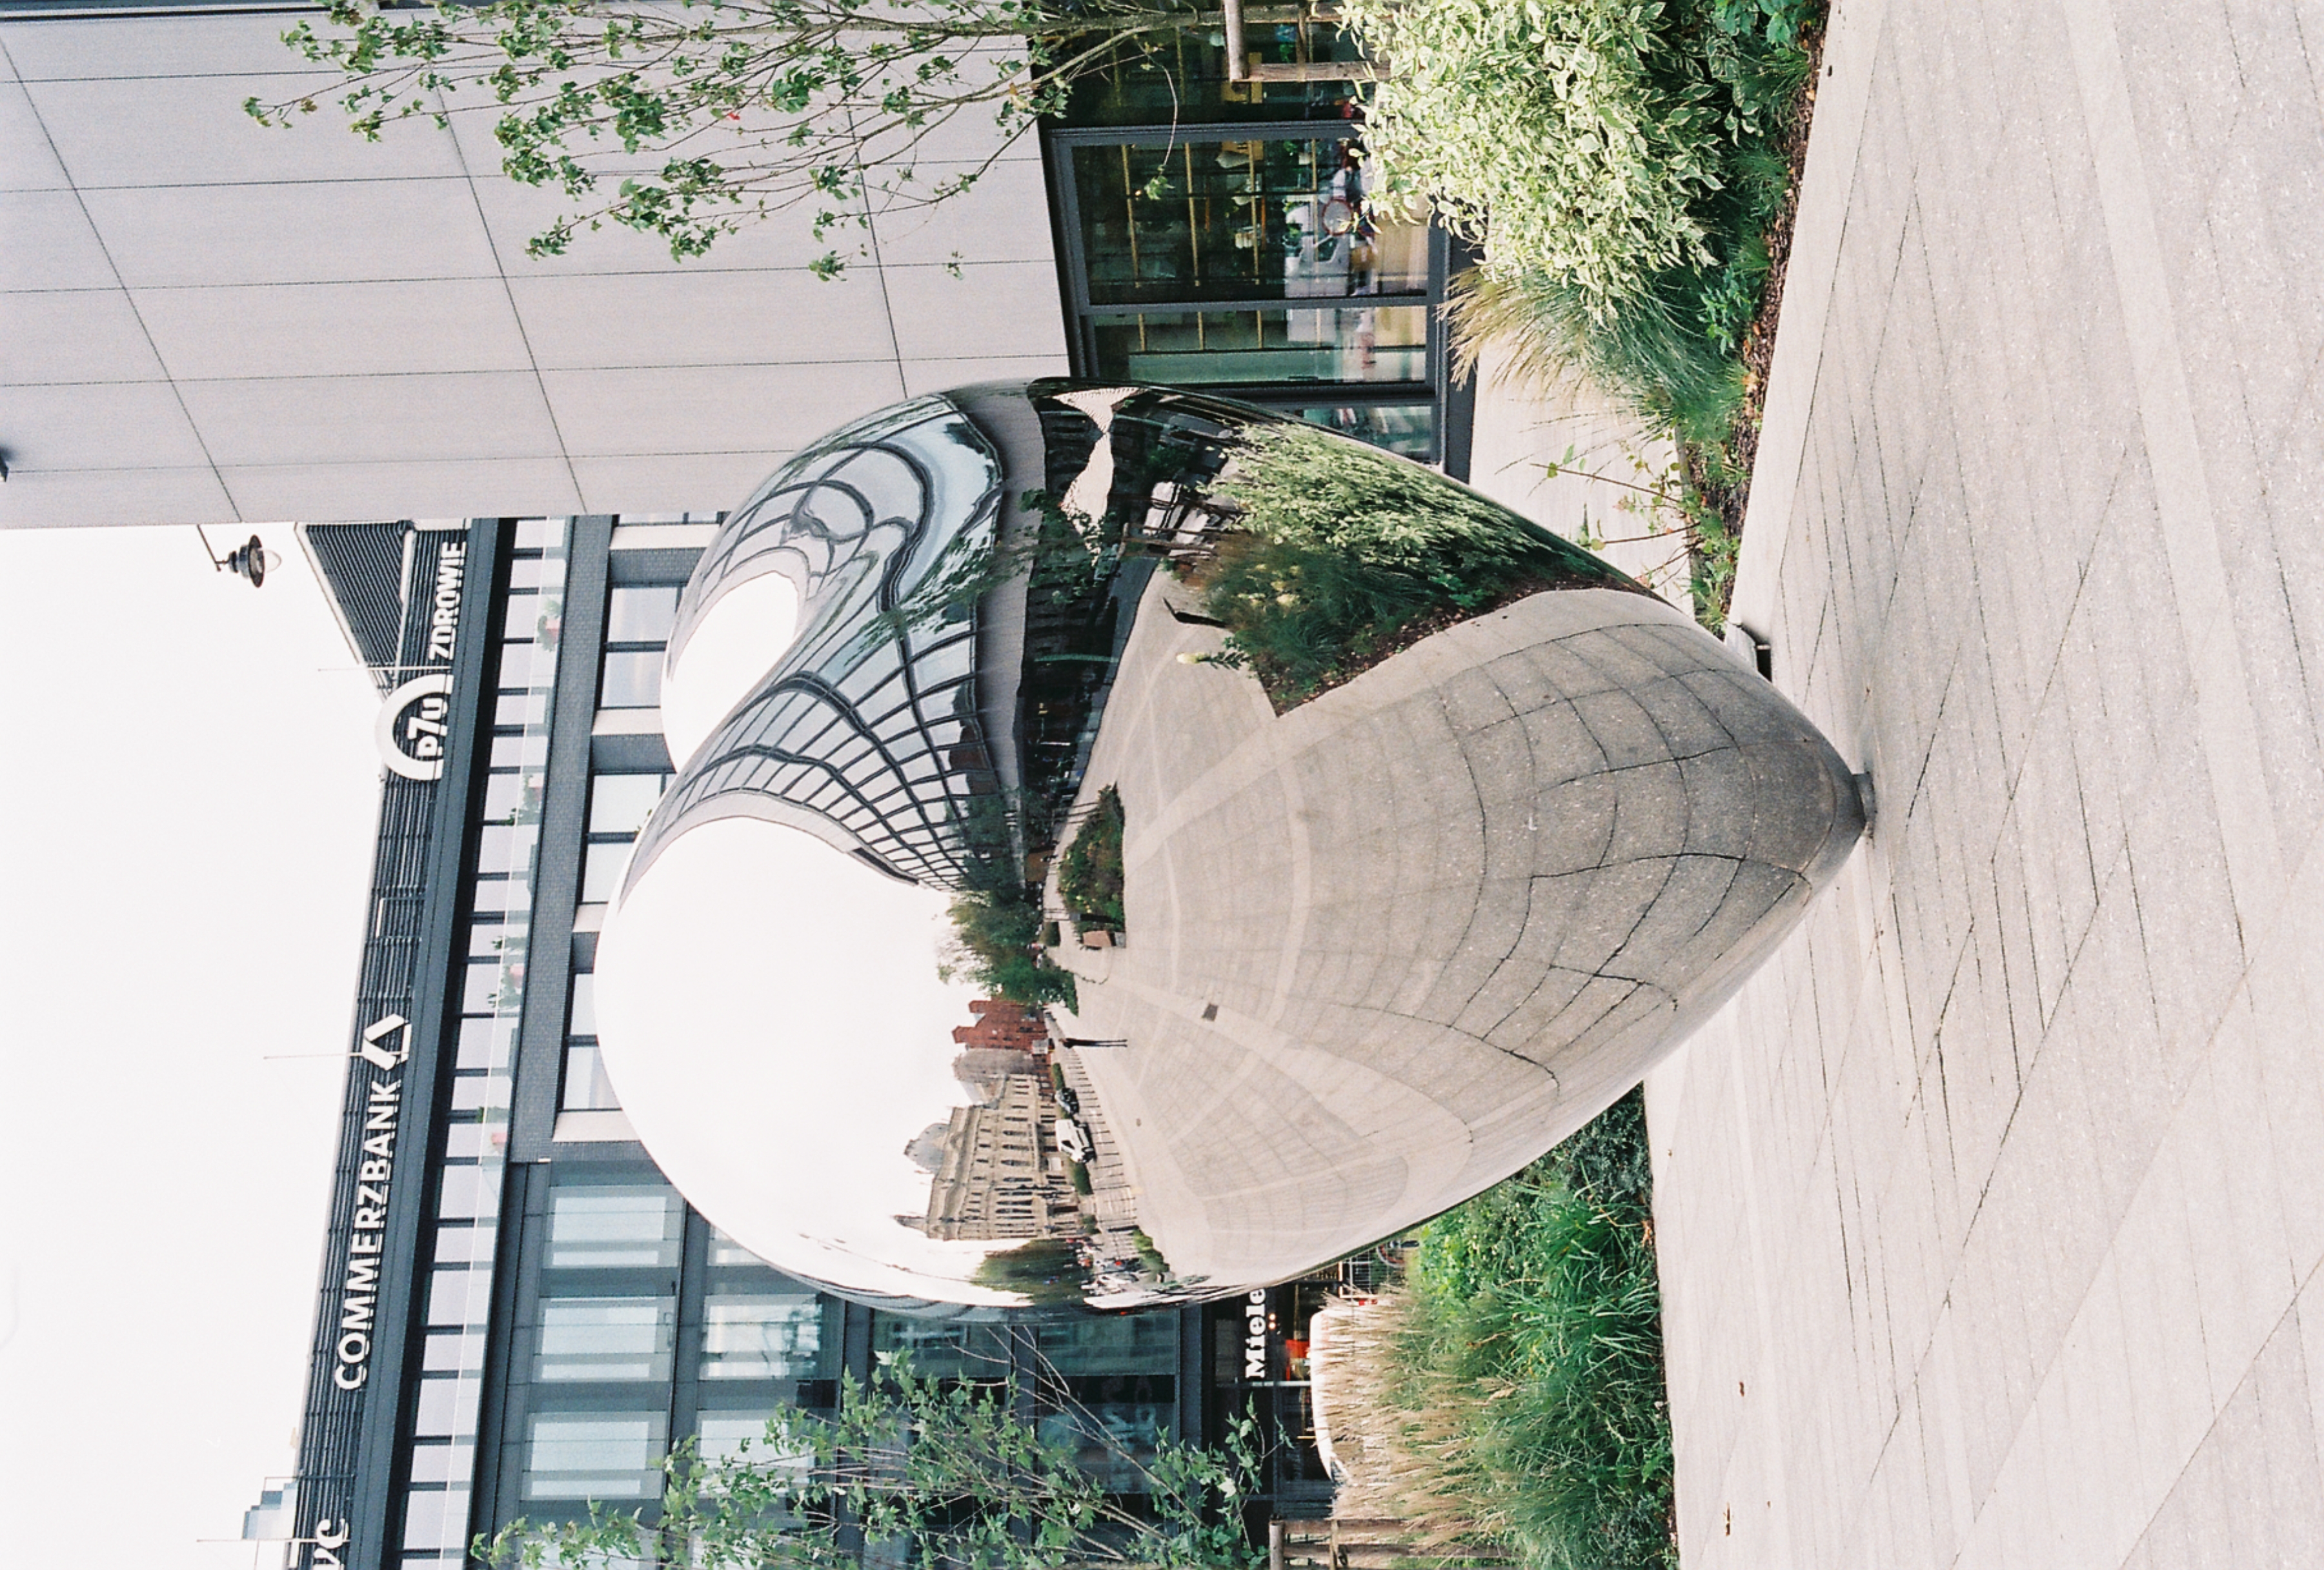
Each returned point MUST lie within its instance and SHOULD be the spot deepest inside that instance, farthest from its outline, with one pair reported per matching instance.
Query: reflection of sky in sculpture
(984, 639)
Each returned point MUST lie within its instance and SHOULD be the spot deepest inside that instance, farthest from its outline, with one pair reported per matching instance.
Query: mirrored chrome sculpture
(1355, 839)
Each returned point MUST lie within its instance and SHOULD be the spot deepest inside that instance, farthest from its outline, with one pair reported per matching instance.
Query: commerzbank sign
(416, 716)
(386, 1045)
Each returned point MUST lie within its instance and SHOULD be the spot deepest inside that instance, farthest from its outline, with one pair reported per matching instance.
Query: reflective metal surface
(1355, 839)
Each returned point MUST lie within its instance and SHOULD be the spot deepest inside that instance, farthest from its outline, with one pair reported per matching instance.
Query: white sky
(187, 810)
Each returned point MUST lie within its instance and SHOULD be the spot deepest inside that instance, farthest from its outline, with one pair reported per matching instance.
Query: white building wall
(202, 321)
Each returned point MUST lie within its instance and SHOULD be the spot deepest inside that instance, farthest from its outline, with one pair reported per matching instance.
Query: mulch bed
(1759, 343)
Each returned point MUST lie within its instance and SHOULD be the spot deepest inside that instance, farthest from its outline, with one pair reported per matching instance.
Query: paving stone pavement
(1990, 1213)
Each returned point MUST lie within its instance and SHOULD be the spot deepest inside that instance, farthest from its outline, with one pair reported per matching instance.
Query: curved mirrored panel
(1167, 847)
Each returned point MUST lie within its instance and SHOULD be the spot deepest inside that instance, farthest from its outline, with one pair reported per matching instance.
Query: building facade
(204, 321)
(1001, 1176)
(517, 1313)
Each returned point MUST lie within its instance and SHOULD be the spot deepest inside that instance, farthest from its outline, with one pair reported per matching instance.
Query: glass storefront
(1215, 235)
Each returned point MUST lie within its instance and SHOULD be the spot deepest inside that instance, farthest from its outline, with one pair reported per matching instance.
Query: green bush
(1079, 1172)
(1532, 1350)
(1571, 137)
(1089, 874)
(1620, 162)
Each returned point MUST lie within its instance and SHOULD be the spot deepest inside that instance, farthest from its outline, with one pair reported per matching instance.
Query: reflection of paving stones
(1990, 1213)
(1443, 914)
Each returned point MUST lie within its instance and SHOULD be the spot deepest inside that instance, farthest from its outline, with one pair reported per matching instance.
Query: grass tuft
(1522, 1361)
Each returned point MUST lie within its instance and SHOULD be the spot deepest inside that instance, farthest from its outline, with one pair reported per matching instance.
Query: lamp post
(250, 560)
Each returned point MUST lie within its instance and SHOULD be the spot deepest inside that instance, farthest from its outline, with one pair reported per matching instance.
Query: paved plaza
(1990, 1213)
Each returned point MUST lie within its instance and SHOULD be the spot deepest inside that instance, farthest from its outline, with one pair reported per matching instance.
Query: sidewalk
(1990, 1213)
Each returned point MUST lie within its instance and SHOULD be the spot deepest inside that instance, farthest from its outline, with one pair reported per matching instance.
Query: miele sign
(413, 720)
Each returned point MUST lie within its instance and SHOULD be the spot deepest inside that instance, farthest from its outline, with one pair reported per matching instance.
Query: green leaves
(820, 102)
(1575, 138)
(937, 1471)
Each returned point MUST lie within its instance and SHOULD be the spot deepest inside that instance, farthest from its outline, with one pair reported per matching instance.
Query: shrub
(1089, 874)
(1571, 137)
(1079, 1172)
(1531, 1363)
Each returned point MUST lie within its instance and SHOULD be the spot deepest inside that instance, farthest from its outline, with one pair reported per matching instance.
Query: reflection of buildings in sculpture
(867, 734)
(995, 1180)
(997, 1023)
(1112, 1201)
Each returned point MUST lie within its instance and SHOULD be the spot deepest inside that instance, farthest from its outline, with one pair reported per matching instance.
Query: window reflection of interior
(1277, 343)
(612, 1226)
(1184, 76)
(605, 1338)
(721, 1434)
(1257, 219)
(592, 1455)
(1409, 429)
(760, 1337)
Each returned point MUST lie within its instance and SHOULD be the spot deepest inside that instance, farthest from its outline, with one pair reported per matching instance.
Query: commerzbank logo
(416, 716)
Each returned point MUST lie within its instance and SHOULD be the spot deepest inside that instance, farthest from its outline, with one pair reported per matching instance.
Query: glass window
(1385, 343)
(605, 1338)
(760, 1337)
(1409, 429)
(502, 848)
(446, 1409)
(721, 1433)
(604, 864)
(504, 795)
(517, 658)
(1262, 218)
(641, 616)
(503, 894)
(436, 1519)
(726, 1251)
(443, 1462)
(465, 1142)
(583, 1020)
(471, 1091)
(481, 993)
(453, 1298)
(1113, 1344)
(466, 1244)
(594, 1455)
(520, 708)
(612, 1226)
(476, 1041)
(620, 803)
(945, 1347)
(455, 1352)
(468, 1191)
(586, 1088)
(633, 679)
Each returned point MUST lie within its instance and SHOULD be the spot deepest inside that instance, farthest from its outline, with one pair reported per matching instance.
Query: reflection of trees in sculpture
(935, 1472)
(1089, 874)
(1340, 555)
(1045, 1269)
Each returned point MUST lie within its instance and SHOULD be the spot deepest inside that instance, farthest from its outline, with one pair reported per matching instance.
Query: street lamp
(249, 559)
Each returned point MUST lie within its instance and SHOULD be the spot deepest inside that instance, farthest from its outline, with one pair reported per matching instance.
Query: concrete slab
(1996, 1191)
